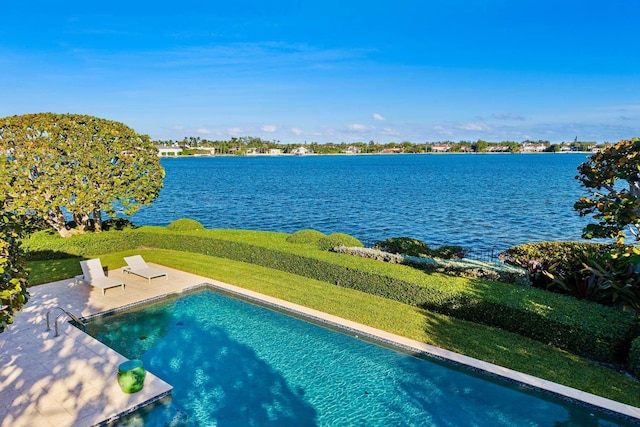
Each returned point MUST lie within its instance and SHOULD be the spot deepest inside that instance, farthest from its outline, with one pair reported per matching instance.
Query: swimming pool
(232, 362)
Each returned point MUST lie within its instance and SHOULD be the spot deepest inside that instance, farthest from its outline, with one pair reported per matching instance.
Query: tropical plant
(612, 179)
(80, 164)
(617, 276)
(551, 261)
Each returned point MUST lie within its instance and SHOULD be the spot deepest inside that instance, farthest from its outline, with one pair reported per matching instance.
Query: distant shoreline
(374, 154)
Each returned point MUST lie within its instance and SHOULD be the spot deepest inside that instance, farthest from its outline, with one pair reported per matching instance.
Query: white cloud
(389, 132)
(235, 131)
(501, 116)
(479, 127)
(296, 131)
(269, 128)
(357, 127)
(203, 131)
(377, 116)
(176, 127)
(442, 130)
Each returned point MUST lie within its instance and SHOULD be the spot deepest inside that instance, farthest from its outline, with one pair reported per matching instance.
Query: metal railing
(479, 254)
(73, 317)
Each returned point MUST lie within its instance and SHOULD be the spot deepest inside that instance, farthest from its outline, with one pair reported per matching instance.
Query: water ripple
(480, 201)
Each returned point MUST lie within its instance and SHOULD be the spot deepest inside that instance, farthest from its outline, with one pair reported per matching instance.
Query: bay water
(480, 201)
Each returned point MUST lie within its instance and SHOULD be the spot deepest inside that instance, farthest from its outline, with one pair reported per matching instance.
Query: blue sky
(330, 71)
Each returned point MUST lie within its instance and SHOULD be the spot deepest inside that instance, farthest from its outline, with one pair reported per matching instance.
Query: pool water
(233, 363)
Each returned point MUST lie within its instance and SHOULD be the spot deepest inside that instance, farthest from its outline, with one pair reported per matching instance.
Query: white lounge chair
(137, 265)
(93, 274)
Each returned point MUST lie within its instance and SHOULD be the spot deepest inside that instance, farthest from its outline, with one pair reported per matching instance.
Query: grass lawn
(478, 341)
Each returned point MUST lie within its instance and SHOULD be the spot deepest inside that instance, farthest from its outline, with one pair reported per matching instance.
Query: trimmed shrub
(49, 245)
(449, 252)
(184, 224)
(633, 361)
(306, 237)
(417, 248)
(404, 245)
(338, 239)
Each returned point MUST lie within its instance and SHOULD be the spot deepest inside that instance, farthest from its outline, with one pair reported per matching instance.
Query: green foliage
(546, 261)
(404, 245)
(417, 248)
(607, 274)
(46, 245)
(13, 273)
(184, 224)
(633, 361)
(305, 237)
(117, 224)
(80, 163)
(338, 239)
(449, 252)
(616, 276)
(581, 327)
(614, 207)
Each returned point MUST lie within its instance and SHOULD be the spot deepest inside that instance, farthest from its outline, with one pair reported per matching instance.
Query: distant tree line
(256, 145)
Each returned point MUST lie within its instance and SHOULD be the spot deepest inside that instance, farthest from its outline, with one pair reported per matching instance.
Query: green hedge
(633, 361)
(184, 224)
(581, 327)
(338, 239)
(48, 245)
(305, 237)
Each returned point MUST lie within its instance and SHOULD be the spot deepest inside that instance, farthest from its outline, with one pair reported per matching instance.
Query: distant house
(533, 147)
(275, 151)
(300, 151)
(497, 148)
(169, 150)
(395, 150)
(352, 149)
(442, 148)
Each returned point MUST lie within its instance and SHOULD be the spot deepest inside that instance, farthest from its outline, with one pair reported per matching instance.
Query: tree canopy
(79, 164)
(612, 178)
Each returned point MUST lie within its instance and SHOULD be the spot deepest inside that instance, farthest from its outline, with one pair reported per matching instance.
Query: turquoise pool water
(233, 363)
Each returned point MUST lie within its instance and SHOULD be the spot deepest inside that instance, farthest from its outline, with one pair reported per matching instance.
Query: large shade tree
(82, 165)
(612, 179)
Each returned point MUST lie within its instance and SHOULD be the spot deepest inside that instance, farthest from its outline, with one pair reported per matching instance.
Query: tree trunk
(81, 221)
(97, 219)
(57, 221)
